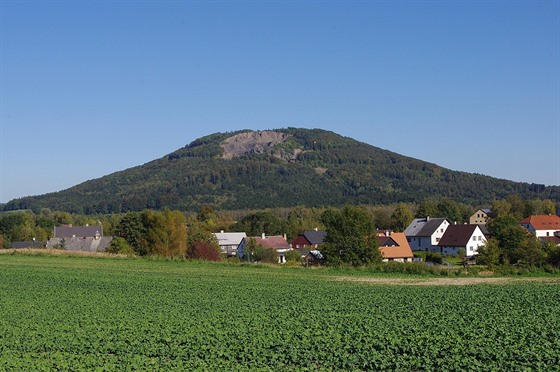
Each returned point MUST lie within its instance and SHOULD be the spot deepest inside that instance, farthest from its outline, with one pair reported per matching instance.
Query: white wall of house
(538, 233)
(476, 240)
(428, 243)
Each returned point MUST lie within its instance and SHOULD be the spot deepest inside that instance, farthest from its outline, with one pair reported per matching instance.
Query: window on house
(480, 238)
(437, 240)
(474, 238)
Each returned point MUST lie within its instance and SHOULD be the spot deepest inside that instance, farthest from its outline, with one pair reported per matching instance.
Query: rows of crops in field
(60, 313)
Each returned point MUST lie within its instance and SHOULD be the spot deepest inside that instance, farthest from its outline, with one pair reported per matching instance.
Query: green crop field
(81, 313)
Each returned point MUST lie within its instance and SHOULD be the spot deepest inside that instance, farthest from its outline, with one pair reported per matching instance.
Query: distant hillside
(279, 168)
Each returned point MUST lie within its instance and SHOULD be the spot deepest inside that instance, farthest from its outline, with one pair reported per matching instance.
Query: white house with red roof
(542, 225)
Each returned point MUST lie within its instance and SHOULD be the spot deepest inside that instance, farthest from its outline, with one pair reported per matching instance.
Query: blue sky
(90, 88)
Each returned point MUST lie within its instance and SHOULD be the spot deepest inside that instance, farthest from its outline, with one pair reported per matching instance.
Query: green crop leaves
(130, 314)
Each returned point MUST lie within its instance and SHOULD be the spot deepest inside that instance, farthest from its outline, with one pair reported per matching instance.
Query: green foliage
(263, 254)
(293, 256)
(509, 236)
(401, 218)
(120, 246)
(328, 171)
(254, 224)
(490, 253)
(154, 233)
(351, 237)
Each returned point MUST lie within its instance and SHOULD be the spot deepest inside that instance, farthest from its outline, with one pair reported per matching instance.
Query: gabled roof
(486, 210)
(229, 238)
(424, 226)
(386, 241)
(401, 249)
(543, 222)
(276, 242)
(457, 235)
(315, 236)
(68, 231)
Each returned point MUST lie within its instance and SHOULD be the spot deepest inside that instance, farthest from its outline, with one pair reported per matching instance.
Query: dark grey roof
(32, 244)
(315, 236)
(423, 226)
(486, 210)
(77, 231)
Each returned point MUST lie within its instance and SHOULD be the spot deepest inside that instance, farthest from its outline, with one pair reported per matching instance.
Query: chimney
(427, 218)
(263, 236)
(316, 229)
(285, 236)
(387, 233)
(222, 231)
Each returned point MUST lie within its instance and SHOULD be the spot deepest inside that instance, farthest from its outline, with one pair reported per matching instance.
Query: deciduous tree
(351, 237)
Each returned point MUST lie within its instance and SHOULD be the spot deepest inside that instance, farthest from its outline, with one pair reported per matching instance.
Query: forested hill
(279, 168)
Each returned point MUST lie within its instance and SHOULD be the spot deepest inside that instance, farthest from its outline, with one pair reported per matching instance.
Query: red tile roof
(543, 222)
(276, 242)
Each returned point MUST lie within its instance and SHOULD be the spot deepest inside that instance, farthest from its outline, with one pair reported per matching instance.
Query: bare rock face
(257, 142)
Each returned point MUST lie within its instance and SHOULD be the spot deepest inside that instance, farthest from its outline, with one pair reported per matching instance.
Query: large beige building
(480, 217)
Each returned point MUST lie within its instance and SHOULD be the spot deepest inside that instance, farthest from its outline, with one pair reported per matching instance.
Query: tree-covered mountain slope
(277, 168)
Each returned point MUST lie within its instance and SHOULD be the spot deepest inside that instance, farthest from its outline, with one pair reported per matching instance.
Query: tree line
(350, 229)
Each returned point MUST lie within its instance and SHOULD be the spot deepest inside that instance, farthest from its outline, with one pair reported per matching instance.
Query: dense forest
(311, 168)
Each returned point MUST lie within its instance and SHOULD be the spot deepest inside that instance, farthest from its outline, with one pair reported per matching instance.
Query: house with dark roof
(310, 239)
(80, 238)
(542, 225)
(424, 234)
(395, 247)
(480, 217)
(466, 237)
(69, 231)
(276, 242)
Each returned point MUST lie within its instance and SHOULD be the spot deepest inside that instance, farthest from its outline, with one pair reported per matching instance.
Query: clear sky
(92, 87)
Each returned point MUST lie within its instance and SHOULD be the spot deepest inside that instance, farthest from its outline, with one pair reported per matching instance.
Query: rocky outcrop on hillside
(254, 142)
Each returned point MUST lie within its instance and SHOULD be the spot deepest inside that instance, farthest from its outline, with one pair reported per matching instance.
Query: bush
(262, 254)
(120, 246)
(434, 257)
(293, 256)
(204, 251)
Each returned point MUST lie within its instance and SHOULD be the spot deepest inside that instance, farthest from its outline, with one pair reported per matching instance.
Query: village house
(395, 247)
(424, 234)
(80, 238)
(311, 239)
(465, 237)
(542, 225)
(276, 242)
(229, 241)
(480, 217)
